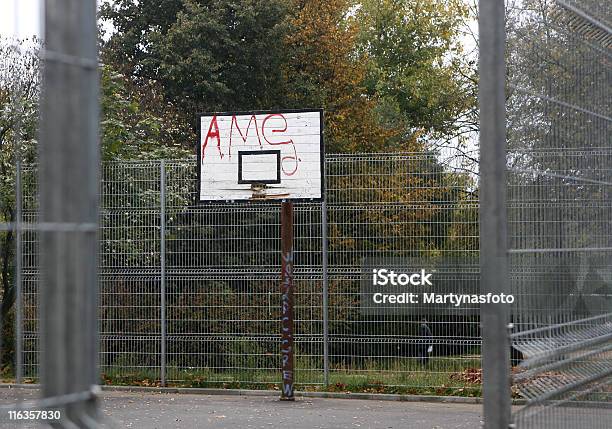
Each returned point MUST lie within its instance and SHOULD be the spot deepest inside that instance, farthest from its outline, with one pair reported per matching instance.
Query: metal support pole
(493, 216)
(162, 244)
(325, 294)
(69, 180)
(287, 300)
(18, 277)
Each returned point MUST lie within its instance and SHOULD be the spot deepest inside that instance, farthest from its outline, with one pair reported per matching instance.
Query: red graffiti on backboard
(272, 135)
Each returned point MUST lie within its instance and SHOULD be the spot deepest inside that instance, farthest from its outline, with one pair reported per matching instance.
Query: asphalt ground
(148, 410)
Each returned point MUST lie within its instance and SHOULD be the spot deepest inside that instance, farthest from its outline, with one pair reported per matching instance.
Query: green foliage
(207, 55)
(384, 71)
(129, 130)
(19, 90)
(417, 66)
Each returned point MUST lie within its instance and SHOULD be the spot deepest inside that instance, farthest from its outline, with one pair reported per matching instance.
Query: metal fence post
(325, 293)
(18, 277)
(493, 216)
(162, 244)
(69, 184)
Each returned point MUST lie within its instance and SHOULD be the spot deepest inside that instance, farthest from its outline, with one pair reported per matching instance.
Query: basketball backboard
(276, 155)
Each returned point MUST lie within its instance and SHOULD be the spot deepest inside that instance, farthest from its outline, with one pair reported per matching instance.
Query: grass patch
(443, 376)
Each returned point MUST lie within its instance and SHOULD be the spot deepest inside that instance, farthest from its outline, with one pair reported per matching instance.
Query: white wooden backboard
(261, 156)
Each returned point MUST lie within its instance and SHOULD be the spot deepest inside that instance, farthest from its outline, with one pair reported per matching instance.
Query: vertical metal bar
(18, 231)
(69, 185)
(493, 216)
(162, 244)
(18, 276)
(325, 293)
(287, 299)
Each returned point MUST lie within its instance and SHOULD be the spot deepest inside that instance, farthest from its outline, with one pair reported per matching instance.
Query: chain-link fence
(559, 123)
(190, 295)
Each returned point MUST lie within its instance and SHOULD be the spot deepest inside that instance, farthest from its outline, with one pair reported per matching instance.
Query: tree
(206, 55)
(323, 69)
(248, 55)
(135, 125)
(417, 66)
(385, 71)
(19, 90)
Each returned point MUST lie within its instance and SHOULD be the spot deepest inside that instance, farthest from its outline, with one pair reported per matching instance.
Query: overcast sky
(20, 18)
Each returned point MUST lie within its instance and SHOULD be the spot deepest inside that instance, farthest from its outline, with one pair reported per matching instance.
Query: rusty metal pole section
(287, 300)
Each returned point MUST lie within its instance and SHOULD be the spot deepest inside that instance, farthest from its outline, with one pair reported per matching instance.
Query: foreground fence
(189, 293)
(559, 117)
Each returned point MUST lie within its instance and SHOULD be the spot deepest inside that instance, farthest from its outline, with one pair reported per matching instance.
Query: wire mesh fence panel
(384, 208)
(30, 278)
(559, 62)
(223, 292)
(130, 293)
(221, 269)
